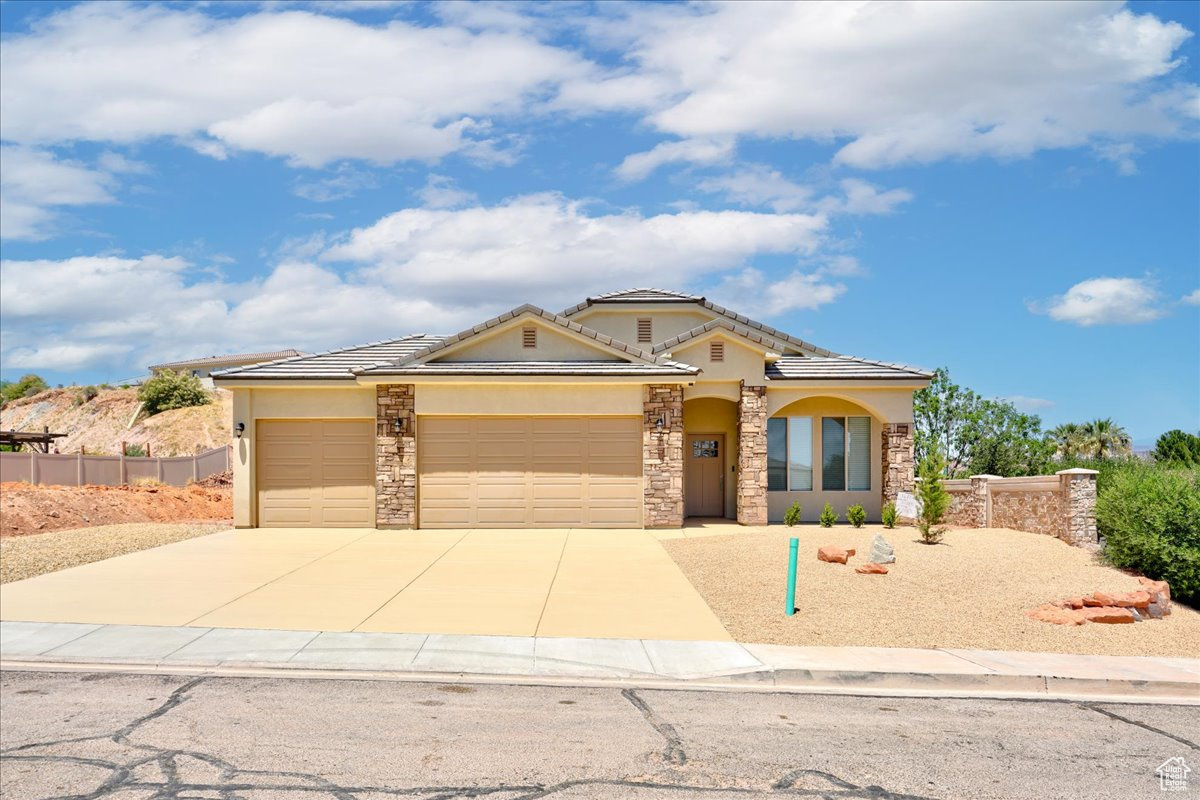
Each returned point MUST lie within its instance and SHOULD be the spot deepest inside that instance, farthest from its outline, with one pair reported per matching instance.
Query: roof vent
(529, 337)
(716, 351)
(645, 330)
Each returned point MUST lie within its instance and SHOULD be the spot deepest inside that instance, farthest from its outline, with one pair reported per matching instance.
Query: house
(203, 368)
(631, 409)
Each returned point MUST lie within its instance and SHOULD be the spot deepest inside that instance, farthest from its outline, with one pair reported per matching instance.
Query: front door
(704, 481)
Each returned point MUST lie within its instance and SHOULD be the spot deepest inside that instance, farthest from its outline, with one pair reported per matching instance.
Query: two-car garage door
(517, 472)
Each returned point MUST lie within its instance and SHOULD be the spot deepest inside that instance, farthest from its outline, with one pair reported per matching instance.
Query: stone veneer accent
(395, 457)
(1062, 505)
(752, 456)
(1079, 505)
(662, 456)
(897, 451)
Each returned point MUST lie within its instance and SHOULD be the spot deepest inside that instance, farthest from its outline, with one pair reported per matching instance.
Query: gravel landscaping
(971, 591)
(29, 556)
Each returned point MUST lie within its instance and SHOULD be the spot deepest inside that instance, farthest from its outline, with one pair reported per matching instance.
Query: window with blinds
(789, 454)
(858, 454)
(833, 454)
(846, 454)
(645, 330)
(529, 337)
(716, 351)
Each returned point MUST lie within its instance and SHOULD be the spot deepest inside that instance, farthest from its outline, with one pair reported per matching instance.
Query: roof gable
(758, 341)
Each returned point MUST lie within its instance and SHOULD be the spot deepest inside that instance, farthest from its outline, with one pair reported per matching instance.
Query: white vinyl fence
(81, 470)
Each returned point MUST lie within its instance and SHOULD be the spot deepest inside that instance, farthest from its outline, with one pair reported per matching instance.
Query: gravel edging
(24, 557)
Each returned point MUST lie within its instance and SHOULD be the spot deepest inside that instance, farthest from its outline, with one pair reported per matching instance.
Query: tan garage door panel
(506, 472)
(316, 473)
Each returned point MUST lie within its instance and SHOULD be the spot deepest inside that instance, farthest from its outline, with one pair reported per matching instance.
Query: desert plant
(791, 517)
(888, 515)
(85, 394)
(828, 516)
(933, 497)
(26, 386)
(146, 480)
(856, 515)
(135, 450)
(1149, 517)
(167, 389)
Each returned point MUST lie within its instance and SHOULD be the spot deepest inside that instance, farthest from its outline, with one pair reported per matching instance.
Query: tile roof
(724, 324)
(391, 367)
(332, 364)
(840, 368)
(636, 296)
(236, 358)
(477, 368)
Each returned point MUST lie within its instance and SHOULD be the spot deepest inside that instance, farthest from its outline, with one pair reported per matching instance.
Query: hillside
(101, 424)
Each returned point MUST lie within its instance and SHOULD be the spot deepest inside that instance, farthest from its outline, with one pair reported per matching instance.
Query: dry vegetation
(27, 509)
(971, 591)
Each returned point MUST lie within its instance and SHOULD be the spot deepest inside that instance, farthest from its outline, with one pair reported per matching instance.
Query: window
(846, 454)
(529, 337)
(706, 448)
(645, 331)
(789, 454)
(716, 351)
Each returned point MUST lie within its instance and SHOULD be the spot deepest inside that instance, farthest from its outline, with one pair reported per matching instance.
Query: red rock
(1055, 615)
(1151, 586)
(1091, 601)
(1133, 600)
(1074, 602)
(1109, 616)
(850, 553)
(834, 555)
(1104, 599)
(872, 569)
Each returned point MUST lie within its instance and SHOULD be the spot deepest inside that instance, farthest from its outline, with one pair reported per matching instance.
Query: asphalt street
(137, 737)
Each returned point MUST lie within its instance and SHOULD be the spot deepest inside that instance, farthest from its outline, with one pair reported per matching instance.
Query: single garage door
(516, 472)
(316, 473)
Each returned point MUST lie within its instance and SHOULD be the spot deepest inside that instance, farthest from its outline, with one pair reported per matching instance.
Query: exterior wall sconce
(660, 423)
(239, 429)
(399, 425)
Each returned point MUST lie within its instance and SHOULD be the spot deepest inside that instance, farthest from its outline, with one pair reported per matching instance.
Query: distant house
(203, 367)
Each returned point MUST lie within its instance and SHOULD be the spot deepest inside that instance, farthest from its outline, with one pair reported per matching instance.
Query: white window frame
(846, 438)
(787, 450)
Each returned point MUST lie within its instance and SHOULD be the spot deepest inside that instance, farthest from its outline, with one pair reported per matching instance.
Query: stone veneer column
(898, 472)
(395, 457)
(752, 456)
(1079, 505)
(981, 501)
(662, 456)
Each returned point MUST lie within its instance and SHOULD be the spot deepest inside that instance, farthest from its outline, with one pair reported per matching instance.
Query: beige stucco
(526, 399)
(621, 323)
(506, 344)
(813, 501)
(713, 415)
(888, 403)
(742, 361)
(251, 405)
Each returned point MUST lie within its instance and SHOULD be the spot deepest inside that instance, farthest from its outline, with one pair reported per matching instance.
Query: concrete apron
(596, 662)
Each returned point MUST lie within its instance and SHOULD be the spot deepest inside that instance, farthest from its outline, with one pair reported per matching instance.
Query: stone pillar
(1079, 505)
(662, 456)
(981, 501)
(897, 453)
(752, 456)
(395, 456)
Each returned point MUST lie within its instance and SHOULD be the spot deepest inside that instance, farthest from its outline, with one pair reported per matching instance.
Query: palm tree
(1102, 438)
(1068, 439)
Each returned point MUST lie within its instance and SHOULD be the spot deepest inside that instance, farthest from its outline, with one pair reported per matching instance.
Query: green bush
(135, 450)
(889, 515)
(166, 390)
(27, 386)
(791, 517)
(828, 516)
(934, 499)
(85, 394)
(1178, 448)
(856, 515)
(1150, 520)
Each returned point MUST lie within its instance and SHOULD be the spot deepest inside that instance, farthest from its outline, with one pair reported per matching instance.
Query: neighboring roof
(401, 365)
(840, 368)
(238, 358)
(332, 364)
(664, 296)
(724, 324)
(477, 368)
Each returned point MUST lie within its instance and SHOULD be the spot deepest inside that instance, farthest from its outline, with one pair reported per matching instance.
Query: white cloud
(1106, 301)
(345, 181)
(34, 183)
(1121, 154)
(752, 289)
(861, 197)
(1191, 298)
(910, 82)
(695, 151)
(420, 269)
(440, 191)
(1029, 404)
(760, 185)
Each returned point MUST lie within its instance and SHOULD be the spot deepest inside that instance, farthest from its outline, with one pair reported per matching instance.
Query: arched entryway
(709, 457)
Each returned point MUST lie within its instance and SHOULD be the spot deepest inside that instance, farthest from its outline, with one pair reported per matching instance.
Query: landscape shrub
(856, 515)
(1149, 517)
(167, 389)
(25, 386)
(791, 517)
(1178, 448)
(135, 450)
(828, 516)
(86, 394)
(889, 515)
(933, 498)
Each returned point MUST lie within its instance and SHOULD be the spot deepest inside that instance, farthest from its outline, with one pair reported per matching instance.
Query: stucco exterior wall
(251, 405)
(553, 344)
(887, 404)
(713, 415)
(621, 324)
(742, 362)
(812, 502)
(527, 398)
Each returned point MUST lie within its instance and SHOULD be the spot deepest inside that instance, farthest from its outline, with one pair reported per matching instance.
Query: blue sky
(1008, 190)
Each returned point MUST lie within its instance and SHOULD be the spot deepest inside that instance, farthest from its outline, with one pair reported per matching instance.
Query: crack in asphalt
(1114, 715)
(233, 780)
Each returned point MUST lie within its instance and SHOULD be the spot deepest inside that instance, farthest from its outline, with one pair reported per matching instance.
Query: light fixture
(239, 429)
(660, 423)
(399, 424)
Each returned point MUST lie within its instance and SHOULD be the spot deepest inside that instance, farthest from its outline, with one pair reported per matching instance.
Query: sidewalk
(518, 659)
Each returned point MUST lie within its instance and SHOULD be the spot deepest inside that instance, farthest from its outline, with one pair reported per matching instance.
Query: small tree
(856, 515)
(168, 389)
(889, 515)
(27, 386)
(828, 516)
(791, 517)
(1178, 448)
(934, 498)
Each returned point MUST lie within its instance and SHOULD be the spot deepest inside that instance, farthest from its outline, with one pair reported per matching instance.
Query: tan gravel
(968, 592)
(29, 556)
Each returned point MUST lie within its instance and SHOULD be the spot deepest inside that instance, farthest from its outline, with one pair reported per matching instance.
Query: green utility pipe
(793, 547)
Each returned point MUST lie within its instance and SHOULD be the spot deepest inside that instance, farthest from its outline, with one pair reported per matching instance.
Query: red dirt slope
(26, 509)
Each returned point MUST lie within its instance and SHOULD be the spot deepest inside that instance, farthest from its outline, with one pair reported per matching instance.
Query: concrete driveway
(578, 583)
